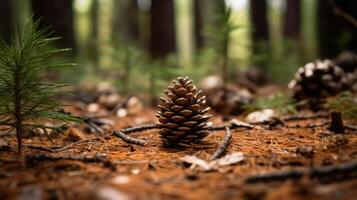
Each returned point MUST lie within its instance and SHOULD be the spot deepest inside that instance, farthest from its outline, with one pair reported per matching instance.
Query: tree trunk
(126, 20)
(59, 15)
(163, 39)
(198, 23)
(335, 33)
(93, 43)
(260, 32)
(6, 13)
(292, 19)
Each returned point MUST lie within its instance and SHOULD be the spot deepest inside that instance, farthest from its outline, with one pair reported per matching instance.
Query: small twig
(129, 139)
(98, 158)
(336, 123)
(141, 128)
(337, 11)
(310, 125)
(234, 124)
(222, 148)
(305, 117)
(122, 134)
(324, 174)
(351, 127)
(41, 148)
(57, 149)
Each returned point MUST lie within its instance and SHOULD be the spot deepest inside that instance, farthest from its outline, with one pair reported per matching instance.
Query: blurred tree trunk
(6, 13)
(126, 20)
(335, 32)
(93, 43)
(198, 23)
(163, 39)
(292, 19)
(260, 32)
(59, 15)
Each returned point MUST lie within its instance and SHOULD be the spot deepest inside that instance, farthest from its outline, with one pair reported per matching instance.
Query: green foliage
(25, 100)
(220, 35)
(279, 102)
(346, 104)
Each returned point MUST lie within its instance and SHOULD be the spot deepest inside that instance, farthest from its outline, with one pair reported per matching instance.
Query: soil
(155, 172)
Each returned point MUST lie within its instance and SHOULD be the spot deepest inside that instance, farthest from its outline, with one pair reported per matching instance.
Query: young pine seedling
(221, 36)
(26, 101)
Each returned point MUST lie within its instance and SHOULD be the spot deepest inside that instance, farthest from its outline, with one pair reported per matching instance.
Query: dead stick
(324, 174)
(234, 124)
(223, 147)
(98, 158)
(337, 11)
(56, 149)
(351, 127)
(310, 125)
(122, 134)
(296, 118)
(336, 122)
(141, 128)
(129, 139)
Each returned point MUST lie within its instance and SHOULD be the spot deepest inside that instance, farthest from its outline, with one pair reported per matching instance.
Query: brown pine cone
(318, 79)
(183, 114)
(348, 62)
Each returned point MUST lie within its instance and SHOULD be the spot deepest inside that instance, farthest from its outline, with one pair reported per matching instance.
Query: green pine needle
(279, 102)
(24, 96)
(346, 103)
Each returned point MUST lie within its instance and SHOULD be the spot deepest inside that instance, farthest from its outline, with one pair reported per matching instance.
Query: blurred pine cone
(348, 62)
(183, 114)
(318, 79)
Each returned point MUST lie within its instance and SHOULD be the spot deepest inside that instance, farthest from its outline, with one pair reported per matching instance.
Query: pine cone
(348, 62)
(318, 79)
(183, 114)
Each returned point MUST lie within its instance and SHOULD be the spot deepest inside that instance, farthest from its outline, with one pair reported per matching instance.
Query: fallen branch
(141, 128)
(57, 149)
(305, 117)
(351, 127)
(337, 11)
(122, 134)
(323, 174)
(310, 125)
(129, 139)
(234, 124)
(222, 148)
(98, 158)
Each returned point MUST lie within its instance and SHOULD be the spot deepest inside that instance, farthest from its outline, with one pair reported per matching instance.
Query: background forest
(138, 45)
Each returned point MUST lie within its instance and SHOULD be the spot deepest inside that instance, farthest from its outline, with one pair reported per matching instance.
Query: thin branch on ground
(324, 174)
(141, 128)
(234, 124)
(57, 149)
(351, 127)
(305, 117)
(128, 139)
(310, 125)
(122, 134)
(339, 12)
(223, 147)
(98, 158)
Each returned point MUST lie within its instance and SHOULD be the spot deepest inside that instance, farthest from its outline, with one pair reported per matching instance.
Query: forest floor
(118, 170)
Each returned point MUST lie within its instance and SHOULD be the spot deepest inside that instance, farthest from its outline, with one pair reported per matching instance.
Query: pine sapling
(221, 35)
(26, 101)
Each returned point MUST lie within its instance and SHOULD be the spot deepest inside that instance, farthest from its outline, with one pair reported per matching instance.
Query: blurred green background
(138, 45)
